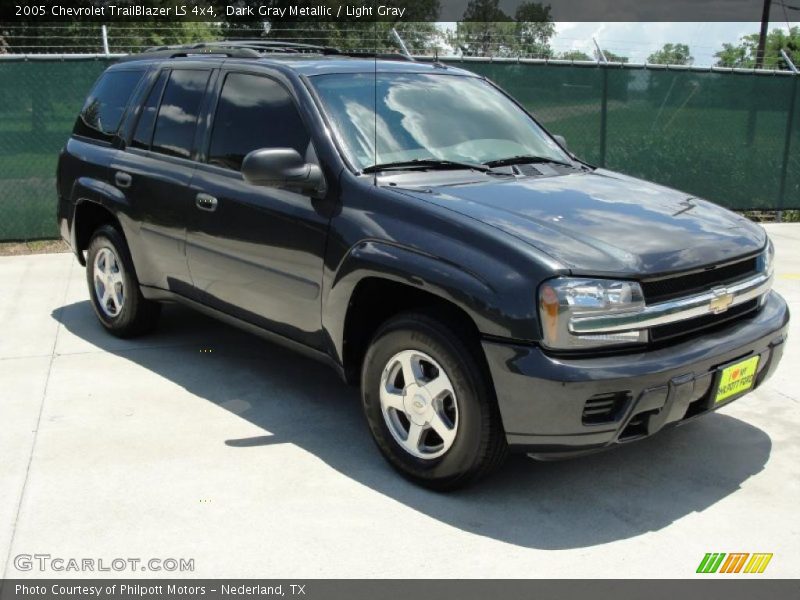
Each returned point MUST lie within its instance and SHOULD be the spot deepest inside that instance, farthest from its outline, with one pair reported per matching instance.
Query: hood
(603, 222)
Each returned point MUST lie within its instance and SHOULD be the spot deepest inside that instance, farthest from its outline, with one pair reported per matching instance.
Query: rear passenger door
(256, 252)
(155, 171)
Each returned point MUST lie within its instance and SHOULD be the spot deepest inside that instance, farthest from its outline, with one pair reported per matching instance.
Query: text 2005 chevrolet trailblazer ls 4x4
(411, 225)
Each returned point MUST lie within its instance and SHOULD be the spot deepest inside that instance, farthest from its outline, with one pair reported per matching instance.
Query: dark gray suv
(415, 228)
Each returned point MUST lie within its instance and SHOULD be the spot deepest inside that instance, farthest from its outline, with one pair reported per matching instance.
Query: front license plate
(736, 378)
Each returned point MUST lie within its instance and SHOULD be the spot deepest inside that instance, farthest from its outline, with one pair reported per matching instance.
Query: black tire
(479, 446)
(137, 314)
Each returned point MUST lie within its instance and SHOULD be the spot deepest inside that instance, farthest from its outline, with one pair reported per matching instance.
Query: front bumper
(543, 399)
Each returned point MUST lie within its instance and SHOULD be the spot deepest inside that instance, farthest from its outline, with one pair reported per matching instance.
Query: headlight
(767, 259)
(766, 264)
(563, 298)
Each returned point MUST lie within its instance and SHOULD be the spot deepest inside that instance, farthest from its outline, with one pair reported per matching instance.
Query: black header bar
(277, 11)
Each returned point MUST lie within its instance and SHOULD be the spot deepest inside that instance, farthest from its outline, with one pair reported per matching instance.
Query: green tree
(611, 57)
(78, 36)
(671, 54)
(488, 31)
(743, 54)
(485, 30)
(574, 55)
(534, 29)
(417, 28)
(137, 36)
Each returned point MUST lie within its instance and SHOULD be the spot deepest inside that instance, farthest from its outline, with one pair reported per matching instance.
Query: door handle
(205, 202)
(123, 179)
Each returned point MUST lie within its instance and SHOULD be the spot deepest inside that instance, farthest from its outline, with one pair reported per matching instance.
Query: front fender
(495, 311)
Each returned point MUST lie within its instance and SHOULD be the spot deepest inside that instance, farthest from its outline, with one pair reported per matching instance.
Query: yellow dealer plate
(737, 378)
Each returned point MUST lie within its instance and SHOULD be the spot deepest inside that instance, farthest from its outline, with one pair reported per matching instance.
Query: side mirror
(281, 167)
(561, 140)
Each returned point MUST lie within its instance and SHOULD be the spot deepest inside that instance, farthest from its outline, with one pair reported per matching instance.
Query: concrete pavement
(203, 442)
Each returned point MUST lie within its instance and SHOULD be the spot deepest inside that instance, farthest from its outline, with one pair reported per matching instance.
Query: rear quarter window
(102, 112)
(144, 128)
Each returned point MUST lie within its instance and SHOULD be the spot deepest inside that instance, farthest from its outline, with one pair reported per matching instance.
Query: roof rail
(200, 49)
(290, 47)
(254, 49)
(232, 49)
(378, 55)
(279, 46)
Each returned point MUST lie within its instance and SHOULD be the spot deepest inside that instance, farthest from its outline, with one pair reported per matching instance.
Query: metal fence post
(787, 145)
(104, 34)
(604, 117)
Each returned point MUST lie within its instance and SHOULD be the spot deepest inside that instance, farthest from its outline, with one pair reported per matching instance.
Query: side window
(254, 112)
(177, 115)
(147, 118)
(102, 112)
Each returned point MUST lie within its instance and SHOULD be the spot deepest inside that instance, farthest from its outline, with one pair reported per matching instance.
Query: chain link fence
(39, 100)
(730, 137)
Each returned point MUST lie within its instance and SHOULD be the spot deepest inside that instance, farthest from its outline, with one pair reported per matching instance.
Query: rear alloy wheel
(429, 402)
(114, 288)
(109, 284)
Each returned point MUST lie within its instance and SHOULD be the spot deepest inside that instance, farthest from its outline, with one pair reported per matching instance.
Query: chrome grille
(681, 328)
(676, 286)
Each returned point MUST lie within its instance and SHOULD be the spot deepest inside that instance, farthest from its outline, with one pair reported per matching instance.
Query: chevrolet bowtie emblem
(721, 302)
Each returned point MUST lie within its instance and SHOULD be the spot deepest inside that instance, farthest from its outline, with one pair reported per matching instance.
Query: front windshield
(428, 116)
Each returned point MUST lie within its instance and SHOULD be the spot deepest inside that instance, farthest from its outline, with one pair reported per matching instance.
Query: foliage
(611, 57)
(417, 29)
(744, 53)
(671, 54)
(575, 55)
(136, 36)
(361, 36)
(124, 36)
(488, 31)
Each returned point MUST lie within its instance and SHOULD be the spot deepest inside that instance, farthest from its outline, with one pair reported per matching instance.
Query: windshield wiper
(425, 163)
(525, 159)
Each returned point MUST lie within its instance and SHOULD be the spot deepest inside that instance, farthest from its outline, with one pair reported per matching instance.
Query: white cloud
(638, 40)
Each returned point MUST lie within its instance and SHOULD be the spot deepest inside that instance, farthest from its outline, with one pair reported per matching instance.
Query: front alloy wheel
(419, 404)
(429, 400)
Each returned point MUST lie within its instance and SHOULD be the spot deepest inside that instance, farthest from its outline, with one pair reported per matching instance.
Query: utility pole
(762, 36)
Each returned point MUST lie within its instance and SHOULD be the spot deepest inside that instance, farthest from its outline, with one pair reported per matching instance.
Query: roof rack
(279, 46)
(253, 49)
(231, 48)
(202, 49)
(380, 55)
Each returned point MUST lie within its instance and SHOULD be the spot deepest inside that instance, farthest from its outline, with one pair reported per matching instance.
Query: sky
(639, 40)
